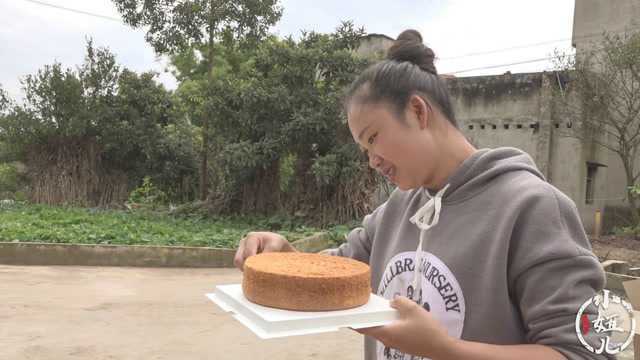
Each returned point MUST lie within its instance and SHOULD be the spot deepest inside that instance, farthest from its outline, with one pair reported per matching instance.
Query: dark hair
(408, 70)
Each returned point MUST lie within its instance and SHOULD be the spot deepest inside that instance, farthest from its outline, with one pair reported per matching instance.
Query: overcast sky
(33, 34)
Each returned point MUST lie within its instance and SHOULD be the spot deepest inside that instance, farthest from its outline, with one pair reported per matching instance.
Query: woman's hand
(257, 242)
(416, 332)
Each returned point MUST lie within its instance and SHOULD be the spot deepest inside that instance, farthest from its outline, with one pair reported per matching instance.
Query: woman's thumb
(402, 304)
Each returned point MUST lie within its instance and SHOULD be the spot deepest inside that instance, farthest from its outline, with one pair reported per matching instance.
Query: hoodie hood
(477, 171)
(469, 179)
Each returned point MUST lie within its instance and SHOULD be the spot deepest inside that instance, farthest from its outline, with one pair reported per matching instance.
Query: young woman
(481, 256)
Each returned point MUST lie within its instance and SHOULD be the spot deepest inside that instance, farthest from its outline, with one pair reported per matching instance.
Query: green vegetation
(8, 178)
(40, 223)
(259, 127)
(254, 130)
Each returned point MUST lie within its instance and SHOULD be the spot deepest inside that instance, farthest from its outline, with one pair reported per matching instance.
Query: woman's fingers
(248, 246)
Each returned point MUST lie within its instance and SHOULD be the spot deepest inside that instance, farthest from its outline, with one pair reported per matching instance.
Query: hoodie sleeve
(358, 244)
(552, 272)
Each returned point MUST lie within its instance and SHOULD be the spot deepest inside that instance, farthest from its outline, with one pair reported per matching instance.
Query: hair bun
(410, 35)
(409, 47)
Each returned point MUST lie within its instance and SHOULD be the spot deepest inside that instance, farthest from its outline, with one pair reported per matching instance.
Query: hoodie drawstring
(425, 218)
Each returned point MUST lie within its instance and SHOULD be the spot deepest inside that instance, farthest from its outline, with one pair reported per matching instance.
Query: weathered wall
(516, 110)
(374, 45)
(502, 110)
(592, 17)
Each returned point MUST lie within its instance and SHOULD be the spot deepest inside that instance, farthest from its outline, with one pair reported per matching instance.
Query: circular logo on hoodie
(438, 293)
(605, 324)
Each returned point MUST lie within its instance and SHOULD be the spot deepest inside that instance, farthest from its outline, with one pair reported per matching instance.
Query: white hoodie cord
(429, 212)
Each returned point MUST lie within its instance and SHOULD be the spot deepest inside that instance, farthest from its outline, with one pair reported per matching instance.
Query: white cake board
(269, 323)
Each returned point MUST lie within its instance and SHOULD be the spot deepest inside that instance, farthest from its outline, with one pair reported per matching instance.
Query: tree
(178, 25)
(286, 144)
(5, 106)
(87, 135)
(602, 99)
(55, 130)
(5, 101)
(64, 102)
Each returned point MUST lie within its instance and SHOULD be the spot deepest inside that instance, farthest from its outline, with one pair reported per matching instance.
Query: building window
(592, 168)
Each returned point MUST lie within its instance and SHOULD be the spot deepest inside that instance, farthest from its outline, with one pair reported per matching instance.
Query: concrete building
(592, 18)
(374, 45)
(518, 110)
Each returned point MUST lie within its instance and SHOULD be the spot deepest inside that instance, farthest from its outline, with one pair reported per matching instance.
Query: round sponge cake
(306, 282)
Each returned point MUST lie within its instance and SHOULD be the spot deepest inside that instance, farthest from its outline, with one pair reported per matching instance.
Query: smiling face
(401, 149)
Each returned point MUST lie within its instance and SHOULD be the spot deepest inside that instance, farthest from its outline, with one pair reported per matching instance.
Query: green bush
(20, 196)
(633, 230)
(287, 172)
(41, 223)
(338, 235)
(9, 179)
(148, 194)
(627, 231)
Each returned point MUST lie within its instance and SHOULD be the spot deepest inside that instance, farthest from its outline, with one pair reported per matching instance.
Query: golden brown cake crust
(306, 282)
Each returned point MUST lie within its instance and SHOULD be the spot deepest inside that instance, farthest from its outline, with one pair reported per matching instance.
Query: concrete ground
(100, 313)
(138, 313)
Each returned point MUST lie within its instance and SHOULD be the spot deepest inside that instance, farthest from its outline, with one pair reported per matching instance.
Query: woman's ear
(421, 111)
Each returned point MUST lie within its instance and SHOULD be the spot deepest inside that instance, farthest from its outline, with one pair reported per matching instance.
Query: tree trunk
(204, 181)
(304, 183)
(633, 205)
(204, 176)
(69, 170)
(262, 194)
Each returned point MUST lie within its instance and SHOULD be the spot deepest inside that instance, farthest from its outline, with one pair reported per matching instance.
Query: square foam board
(268, 322)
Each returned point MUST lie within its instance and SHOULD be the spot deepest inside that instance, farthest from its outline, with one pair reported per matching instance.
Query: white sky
(32, 35)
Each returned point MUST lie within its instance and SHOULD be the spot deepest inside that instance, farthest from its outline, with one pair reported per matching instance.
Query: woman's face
(402, 150)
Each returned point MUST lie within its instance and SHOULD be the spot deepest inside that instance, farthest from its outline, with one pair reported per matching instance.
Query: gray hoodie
(507, 262)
